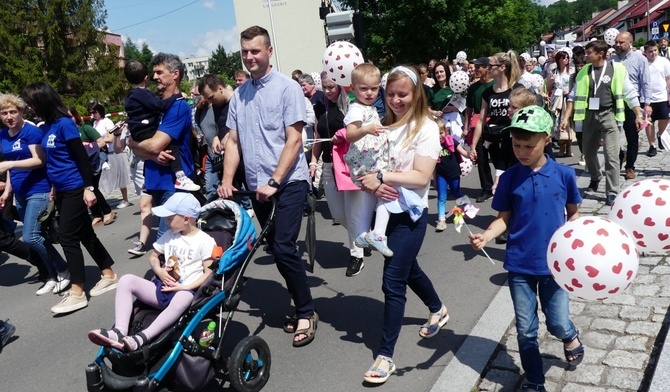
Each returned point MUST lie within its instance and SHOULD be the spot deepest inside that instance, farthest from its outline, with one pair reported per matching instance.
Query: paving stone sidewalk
(623, 336)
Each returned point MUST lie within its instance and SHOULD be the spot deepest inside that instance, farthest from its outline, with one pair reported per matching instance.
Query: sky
(187, 28)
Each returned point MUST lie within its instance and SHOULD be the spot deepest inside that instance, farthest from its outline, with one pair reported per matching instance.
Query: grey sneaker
(139, 249)
(70, 303)
(104, 285)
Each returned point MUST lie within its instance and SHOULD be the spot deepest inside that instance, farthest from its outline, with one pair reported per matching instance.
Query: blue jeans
(441, 185)
(29, 208)
(555, 306)
(158, 198)
(404, 238)
(211, 178)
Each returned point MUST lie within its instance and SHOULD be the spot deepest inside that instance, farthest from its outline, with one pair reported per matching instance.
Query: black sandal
(101, 338)
(308, 332)
(576, 353)
(290, 324)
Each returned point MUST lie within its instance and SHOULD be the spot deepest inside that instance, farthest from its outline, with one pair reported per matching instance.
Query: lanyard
(600, 79)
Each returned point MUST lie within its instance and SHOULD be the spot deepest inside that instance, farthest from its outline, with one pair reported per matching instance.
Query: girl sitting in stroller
(189, 251)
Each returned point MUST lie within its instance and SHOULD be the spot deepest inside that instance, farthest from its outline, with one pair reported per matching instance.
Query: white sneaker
(124, 204)
(582, 161)
(441, 225)
(104, 285)
(70, 303)
(47, 287)
(62, 282)
(184, 183)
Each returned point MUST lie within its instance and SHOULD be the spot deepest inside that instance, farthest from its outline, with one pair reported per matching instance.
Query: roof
(588, 26)
(620, 14)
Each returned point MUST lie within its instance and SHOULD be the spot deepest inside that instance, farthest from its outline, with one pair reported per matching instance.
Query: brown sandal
(308, 332)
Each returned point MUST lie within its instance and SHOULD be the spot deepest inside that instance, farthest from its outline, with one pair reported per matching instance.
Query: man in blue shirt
(638, 73)
(175, 124)
(265, 117)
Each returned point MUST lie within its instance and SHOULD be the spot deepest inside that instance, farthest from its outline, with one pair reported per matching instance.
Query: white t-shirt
(186, 252)
(103, 126)
(365, 114)
(659, 70)
(426, 143)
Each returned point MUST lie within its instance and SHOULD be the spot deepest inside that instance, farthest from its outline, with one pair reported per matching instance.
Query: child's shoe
(184, 183)
(134, 342)
(361, 241)
(441, 225)
(378, 243)
(107, 338)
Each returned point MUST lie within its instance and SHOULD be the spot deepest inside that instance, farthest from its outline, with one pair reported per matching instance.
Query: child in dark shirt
(144, 111)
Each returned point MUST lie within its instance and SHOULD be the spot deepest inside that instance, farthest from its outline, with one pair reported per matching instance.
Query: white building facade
(196, 67)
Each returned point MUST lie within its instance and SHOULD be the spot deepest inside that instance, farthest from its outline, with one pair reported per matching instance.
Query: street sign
(666, 26)
(666, 35)
(654, 24)
(654, 30)
(655, 37)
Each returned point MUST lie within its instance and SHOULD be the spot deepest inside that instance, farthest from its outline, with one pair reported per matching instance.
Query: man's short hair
(598, 46)
(212, 81)
(365, 70)
(650, 44)
(241, 72)
(170, 61)
(255, 31)
(306, 78)
(135, 71)
(664, 39)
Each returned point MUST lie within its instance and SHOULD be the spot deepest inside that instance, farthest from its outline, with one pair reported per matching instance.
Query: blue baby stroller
(175, 357)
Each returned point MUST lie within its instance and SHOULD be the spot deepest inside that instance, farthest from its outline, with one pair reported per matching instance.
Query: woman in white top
(558, 82)
(117, 177)
(416, 140)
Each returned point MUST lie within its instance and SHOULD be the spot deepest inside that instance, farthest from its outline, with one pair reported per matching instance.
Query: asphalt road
(50, 352)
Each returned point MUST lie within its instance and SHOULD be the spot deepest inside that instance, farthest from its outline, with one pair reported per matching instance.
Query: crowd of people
(383, 140)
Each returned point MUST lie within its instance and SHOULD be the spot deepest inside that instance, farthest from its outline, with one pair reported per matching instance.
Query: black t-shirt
(331, 122)
(448, 164)
(319, 102)
(474, 97)
(498, 106)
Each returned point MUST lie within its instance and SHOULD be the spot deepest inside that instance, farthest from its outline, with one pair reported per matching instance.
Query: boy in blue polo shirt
(532, 198)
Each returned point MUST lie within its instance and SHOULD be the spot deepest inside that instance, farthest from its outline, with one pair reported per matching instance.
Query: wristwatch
(90, 188)
(273, 183)
(380, 177)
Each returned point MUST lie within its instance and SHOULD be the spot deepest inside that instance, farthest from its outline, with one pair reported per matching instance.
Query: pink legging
(145, 291)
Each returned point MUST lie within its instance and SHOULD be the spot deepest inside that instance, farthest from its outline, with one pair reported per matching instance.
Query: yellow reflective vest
(582, 92)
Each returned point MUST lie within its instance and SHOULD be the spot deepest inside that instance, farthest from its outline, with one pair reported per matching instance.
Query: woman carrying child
(187, 255)
(416, 139)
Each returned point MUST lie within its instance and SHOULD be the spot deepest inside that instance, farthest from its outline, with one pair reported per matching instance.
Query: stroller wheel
(249, 365)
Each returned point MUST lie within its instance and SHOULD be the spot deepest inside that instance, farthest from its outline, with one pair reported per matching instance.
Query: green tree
(224, 63)
(146, 54)
(60, 42)
(131, 50)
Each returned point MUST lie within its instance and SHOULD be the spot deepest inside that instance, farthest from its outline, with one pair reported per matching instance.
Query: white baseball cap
(181, 203)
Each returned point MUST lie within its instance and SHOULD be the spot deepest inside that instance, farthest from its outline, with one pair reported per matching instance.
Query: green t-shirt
(474, 98)
(439, 97)
(88, 133)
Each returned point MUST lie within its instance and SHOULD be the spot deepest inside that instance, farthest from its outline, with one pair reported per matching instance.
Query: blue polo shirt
(537, 203)
(176, 123)
(62, 169)
(260, 111)
(15, 148)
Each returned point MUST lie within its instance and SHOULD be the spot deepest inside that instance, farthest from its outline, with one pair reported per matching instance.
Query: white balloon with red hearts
(317, 80)
(592, 258)
(643, 210)
(459, 82)
(339, 59)
(461, 56)
(465, 166)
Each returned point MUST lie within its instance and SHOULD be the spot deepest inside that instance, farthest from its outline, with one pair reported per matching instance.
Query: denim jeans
(525, 290)
(282, 240)
(404, 238)
(441, 185)
(29, 208)
(158, 198)
(211, 178)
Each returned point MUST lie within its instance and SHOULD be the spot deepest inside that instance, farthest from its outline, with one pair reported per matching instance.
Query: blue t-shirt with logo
(15, 148)
(176, 123)
(61, 166)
